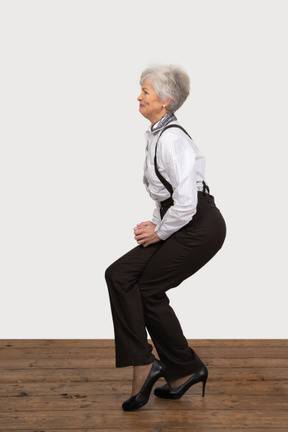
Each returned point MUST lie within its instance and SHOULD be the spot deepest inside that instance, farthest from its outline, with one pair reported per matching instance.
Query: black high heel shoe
(168, 392)
(139, 400)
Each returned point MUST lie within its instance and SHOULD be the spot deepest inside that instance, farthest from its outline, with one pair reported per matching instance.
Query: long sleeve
(179, 162)
(156, 213)
(182, 164)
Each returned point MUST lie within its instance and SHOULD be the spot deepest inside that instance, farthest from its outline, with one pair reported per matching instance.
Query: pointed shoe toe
(134, 402)
(167, 392)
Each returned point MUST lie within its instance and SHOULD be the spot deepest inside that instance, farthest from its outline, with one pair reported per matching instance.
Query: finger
(141, 242)
(143, 224)
(147, 223)
(140, 233)
(140, 237)
(146, 243)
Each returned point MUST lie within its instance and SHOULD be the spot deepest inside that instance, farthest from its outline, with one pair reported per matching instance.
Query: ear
(165, 105)
(168, 102)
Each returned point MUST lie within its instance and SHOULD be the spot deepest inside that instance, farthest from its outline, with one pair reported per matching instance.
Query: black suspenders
(161, 178)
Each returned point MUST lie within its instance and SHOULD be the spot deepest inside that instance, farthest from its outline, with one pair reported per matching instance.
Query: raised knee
(109, 273)
(114, 275)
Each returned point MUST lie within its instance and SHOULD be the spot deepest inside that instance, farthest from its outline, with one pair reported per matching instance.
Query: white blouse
(182, 164)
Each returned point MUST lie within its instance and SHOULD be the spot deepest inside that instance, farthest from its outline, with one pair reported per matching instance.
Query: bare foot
(140, 374)
(179, 381)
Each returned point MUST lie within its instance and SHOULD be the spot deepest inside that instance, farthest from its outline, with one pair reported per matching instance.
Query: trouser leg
(126, 302)
(160, 319)
(137, 283)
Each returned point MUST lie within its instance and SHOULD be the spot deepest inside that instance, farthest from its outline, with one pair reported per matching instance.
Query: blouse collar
(167, 118)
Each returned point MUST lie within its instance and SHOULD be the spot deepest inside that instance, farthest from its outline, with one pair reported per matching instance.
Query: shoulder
(175, 128)
(174, 138)
(174, 133)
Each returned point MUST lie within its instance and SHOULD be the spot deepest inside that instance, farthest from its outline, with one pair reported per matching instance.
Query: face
(151, 106)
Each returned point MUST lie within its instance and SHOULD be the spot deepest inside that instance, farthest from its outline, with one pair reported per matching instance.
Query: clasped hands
(144, 233)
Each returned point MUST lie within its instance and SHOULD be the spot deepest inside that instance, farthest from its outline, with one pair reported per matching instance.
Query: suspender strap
(161, 178)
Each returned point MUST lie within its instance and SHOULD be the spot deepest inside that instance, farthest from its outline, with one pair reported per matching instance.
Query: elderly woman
(186, 231)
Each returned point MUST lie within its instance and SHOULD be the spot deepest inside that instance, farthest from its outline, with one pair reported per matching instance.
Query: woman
(185, 233)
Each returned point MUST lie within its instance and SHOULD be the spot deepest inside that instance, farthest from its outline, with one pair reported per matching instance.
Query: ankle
(179, 381)
(140, 374)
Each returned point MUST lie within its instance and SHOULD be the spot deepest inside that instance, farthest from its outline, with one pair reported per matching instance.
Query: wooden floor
(72, 386)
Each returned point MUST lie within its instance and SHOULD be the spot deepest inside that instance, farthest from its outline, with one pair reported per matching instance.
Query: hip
(206, 226)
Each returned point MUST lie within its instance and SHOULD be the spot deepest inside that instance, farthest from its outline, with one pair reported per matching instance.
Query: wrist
(156, 229)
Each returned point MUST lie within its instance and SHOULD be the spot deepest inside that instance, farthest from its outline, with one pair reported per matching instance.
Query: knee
(110, 273)
(115, 276)
(149, 295)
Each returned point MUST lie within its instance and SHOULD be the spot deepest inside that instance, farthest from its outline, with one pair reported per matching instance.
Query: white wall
(72, 149)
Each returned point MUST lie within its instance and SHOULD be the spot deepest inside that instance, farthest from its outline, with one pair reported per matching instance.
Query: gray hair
(168, 81)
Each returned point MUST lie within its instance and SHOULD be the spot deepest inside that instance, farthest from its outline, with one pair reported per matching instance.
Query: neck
(159, 117)
(166, 119)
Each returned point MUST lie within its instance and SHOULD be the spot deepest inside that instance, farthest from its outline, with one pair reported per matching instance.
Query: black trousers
(137, 284)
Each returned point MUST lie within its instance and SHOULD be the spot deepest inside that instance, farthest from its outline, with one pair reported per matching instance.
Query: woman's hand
(145, 233)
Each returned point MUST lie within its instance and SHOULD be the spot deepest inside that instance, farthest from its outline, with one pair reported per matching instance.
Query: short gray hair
(168, 81)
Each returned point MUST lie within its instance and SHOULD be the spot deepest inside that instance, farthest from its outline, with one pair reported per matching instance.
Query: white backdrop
(72, 153)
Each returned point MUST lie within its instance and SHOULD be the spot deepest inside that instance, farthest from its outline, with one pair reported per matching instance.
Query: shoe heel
(204, 386)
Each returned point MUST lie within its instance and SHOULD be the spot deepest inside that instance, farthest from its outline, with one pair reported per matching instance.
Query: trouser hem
(173, 374)
(138, 361)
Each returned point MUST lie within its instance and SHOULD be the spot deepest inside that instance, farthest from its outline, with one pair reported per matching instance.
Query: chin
(143, 113)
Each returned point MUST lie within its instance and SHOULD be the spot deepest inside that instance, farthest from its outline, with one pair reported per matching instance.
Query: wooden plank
(114, 375)
(124, 387)
(94, 362)
(109, 343)
(207, 353)
(145, 417)
(77, 401)
(135, 428)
